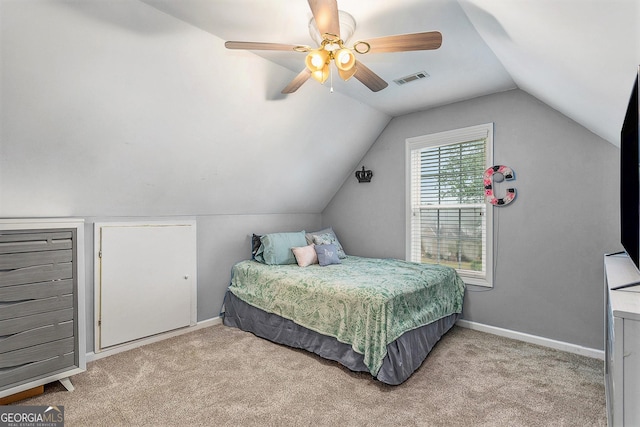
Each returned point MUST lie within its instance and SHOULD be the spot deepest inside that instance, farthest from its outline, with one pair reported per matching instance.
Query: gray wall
(223, 240)
(549, 242)
(115, 111)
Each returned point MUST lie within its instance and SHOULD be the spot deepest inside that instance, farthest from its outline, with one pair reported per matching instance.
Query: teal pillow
(276, 247)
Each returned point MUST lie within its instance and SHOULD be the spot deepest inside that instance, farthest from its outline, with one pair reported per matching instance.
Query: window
(448, 220)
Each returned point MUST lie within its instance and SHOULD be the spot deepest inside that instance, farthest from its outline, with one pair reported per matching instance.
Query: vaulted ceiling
(135, 108)
(579, 57)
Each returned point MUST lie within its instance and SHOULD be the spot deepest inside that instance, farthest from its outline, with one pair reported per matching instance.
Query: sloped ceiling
(114, 108)
(579, 57)
(135, 108)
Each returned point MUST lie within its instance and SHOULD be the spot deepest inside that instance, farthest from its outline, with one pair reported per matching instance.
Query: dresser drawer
(27, 308)
(12, 261)
(36, 353)
(36, 336)
(10, 377)
(19, 241)
(34, 274)
(36, 290)
(20, 324)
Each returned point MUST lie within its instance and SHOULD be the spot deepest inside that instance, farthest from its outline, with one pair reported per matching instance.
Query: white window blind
(448, 219)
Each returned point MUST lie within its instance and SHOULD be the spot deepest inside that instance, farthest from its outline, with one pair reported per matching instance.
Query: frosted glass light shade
(321, 75)
(347, 28)
(316, 60)
(344, 59)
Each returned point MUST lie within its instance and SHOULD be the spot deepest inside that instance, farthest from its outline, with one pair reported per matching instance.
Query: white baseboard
(533, 339)
(520, 336)
(155, 338)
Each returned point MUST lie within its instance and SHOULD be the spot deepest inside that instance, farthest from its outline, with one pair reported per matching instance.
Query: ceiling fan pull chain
(331, 79)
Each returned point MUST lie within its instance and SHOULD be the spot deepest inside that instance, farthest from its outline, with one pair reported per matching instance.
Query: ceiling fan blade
(297, 81)
(325, 12)
(261, 46)
(369, 78)
(347, 74)
(406, 42)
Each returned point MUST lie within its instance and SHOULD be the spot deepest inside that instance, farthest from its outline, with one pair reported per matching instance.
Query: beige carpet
(221, 376)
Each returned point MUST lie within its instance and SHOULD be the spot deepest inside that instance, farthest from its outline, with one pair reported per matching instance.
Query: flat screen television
(630, 179)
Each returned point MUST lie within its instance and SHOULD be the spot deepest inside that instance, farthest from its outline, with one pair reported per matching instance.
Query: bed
(381, 316)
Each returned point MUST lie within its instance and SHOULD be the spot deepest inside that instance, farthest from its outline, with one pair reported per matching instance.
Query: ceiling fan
(326, 27)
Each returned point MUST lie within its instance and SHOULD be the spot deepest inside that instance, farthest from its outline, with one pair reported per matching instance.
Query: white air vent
(411, 78)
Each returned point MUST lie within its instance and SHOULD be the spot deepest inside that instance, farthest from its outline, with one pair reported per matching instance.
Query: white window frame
(456, 136)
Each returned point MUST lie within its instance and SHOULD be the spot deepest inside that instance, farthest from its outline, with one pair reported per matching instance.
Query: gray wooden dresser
(42, 332)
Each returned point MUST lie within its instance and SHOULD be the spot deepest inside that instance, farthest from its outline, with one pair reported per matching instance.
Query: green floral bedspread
(364, 302)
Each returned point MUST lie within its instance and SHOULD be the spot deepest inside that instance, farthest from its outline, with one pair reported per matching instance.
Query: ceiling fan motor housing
(347, 28)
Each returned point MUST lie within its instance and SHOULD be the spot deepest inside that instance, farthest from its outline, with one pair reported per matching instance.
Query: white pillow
(305, 255)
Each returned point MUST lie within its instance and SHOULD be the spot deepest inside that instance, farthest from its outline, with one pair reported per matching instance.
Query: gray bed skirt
(404, 355)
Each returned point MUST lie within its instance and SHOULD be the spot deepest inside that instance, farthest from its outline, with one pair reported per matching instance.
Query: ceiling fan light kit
(318, 61)
(331, 28)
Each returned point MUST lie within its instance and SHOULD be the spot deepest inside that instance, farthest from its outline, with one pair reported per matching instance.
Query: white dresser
(622, 341)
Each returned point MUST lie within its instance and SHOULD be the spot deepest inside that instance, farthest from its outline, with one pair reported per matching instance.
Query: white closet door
(147, 280)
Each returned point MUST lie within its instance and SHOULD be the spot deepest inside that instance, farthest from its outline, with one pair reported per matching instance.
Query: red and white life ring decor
(508, 174)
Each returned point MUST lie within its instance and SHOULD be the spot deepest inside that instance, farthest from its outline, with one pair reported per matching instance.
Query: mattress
(367, 305)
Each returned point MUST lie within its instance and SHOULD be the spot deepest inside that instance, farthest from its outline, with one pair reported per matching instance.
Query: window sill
(476, 281)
